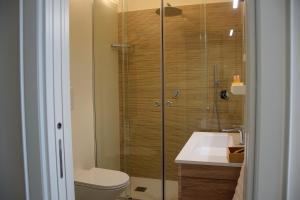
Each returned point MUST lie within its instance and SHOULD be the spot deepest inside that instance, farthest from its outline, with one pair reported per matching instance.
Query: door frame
(250, 101)
(294, 164)
(272, 60)
(45, 99)
(44, 44)
(268, 110)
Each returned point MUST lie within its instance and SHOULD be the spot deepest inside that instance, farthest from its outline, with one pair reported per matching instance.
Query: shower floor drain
(140, 189)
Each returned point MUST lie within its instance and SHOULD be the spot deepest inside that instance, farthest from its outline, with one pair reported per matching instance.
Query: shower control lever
(169, 103)
(156, 103)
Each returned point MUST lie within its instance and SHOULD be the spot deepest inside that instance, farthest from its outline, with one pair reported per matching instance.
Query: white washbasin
(209, 148)
(212, 144)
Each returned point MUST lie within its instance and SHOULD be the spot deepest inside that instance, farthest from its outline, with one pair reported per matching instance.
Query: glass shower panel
(140, 97)
(186, 81)
(106, 83)
(225, 59)
(127, 92)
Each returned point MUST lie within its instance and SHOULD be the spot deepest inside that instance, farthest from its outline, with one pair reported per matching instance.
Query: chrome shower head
(170, 11)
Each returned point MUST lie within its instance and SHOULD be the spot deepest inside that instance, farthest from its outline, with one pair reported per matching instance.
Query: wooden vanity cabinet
(206, 182)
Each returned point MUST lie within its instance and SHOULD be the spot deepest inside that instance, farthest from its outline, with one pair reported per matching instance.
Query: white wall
(11, 159)
(107, 85)
(81, 57)
(272, 99)
(294, 151)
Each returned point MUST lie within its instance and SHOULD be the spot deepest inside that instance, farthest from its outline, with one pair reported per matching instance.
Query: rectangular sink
(208, 148)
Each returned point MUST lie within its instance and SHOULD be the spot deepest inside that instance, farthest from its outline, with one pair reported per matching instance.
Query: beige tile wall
(194, 43)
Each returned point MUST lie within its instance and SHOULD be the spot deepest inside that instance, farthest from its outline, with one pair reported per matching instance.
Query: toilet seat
(103, 179)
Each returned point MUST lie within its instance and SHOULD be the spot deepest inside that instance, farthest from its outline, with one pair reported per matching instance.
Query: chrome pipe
(240, 130)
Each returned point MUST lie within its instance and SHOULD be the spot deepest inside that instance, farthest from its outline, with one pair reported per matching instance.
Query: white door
(44, 44)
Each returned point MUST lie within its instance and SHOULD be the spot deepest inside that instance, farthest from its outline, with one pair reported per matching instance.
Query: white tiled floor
(153, 191)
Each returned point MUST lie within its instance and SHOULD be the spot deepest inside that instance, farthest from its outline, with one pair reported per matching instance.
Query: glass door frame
(162, 99)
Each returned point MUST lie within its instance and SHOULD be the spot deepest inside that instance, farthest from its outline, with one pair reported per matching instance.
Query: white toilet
(100, 184)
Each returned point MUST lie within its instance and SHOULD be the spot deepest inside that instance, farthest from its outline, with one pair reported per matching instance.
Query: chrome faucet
(240, 130)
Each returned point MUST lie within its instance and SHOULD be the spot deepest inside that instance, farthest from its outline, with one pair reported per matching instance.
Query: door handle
(60, 159)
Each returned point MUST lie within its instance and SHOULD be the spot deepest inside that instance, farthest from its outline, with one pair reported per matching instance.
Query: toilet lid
(101, 178)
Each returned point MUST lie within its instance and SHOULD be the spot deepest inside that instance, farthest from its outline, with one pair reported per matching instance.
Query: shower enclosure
(160, 68)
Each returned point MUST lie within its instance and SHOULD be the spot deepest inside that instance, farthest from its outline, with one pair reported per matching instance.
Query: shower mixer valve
(224, 95)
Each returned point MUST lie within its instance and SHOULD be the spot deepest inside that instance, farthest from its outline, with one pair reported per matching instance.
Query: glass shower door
(140, 97)
(186, 81)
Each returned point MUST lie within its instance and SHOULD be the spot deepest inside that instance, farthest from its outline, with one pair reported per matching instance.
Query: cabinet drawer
(206, 189)
(209, 172)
